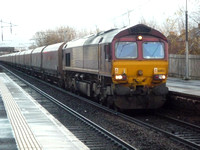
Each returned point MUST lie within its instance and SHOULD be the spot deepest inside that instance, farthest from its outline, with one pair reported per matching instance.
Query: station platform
(26, 125)
(191, 87)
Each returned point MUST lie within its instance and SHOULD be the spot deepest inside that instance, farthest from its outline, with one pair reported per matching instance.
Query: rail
(191, 141)
(117, 141)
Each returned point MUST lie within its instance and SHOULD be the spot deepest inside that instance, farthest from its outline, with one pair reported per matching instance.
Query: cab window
(126, 50)
(153, 50)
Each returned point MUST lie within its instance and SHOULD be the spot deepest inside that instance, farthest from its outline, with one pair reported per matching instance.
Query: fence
(177, 66)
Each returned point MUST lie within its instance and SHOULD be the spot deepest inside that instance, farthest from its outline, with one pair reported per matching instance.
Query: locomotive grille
(140, 29)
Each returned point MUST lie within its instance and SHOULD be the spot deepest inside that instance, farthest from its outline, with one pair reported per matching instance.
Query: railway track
(182, 101)
(188, 97)
(91, 134)
(177, 130)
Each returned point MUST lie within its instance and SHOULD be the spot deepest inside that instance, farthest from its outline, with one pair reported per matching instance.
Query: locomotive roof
(108, 36)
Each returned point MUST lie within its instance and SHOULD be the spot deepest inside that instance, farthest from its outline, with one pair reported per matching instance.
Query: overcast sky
(31, 16)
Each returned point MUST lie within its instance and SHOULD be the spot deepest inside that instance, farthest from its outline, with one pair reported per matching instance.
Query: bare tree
(83, 32)
(195, 14)
(174, 29)
(61, 34)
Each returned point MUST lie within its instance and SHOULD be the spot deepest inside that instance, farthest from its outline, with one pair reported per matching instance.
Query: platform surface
(31, 125)
(191, 87)
(7, 140)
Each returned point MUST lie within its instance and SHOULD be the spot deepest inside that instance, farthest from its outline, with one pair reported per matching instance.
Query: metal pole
(128, 17)
(10, 27)
(186, 44)
(2, 26)
(65, 36)
(1, 30)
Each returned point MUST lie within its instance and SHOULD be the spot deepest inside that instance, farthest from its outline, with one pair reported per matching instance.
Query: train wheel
(72, 89)
(117, 109)
(102, 100)
(43, 77)
(46, 78)
(110, 102)
(66, 86)
(32, 73)
(60, 83)
(96, 98)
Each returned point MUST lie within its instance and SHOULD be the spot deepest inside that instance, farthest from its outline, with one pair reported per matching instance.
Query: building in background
(6, 50)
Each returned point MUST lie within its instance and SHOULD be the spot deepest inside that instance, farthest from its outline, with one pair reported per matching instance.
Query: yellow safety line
(23, 134)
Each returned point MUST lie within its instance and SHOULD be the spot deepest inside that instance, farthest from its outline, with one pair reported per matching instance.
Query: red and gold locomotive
(125, 68)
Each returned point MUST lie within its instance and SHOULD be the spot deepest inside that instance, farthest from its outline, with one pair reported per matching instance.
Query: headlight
(120, 77)
(139, 38)
(159, 77)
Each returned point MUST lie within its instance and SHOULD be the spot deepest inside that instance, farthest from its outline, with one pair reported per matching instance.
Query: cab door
(105, 60)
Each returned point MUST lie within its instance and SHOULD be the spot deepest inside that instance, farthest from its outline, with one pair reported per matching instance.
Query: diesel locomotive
(123, 68)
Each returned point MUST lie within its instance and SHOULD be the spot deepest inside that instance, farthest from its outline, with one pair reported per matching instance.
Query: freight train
(123, 68)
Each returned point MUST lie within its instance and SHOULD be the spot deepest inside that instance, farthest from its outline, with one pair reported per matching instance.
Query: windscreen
(126, 50)
(153, 50)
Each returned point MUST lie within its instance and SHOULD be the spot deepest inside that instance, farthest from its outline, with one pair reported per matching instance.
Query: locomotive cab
(140, 68)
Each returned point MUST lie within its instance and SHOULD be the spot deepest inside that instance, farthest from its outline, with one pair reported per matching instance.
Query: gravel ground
(186, 116)
(183, 108)
(135, 135)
